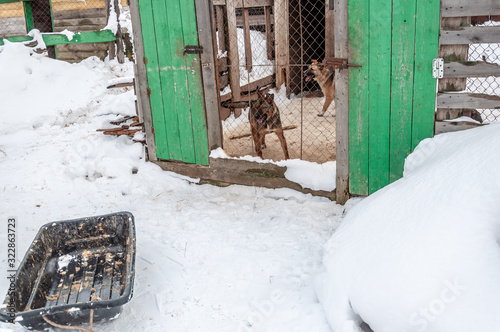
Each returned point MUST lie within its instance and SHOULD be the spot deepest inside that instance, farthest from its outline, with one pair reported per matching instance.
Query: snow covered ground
(419, 255)
(208, 258)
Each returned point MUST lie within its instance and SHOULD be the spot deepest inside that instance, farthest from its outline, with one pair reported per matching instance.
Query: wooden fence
(456, 34)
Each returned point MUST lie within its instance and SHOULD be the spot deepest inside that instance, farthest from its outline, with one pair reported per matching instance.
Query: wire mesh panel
(486, 85)
(267, 50)
(12, 21)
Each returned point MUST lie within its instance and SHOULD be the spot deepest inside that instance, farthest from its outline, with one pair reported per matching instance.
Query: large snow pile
(208, 258)
(423, 253)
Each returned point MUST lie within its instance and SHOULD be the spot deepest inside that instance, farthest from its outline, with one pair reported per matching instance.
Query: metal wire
(486, 85)
(308, 136)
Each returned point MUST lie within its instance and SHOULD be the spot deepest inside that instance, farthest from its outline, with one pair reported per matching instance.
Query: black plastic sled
(74, 272)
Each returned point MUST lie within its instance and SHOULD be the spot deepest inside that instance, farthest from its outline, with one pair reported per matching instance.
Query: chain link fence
(12, 22)
(270, 48)
(486, 85)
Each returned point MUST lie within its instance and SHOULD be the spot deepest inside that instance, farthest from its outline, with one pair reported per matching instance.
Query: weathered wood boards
(390, 108)
(457, 8)
(455, 37)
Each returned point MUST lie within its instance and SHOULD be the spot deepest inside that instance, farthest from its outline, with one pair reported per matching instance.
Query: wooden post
(221, 31)
(141, 81)
(234, 57)
(248, 42)
(119, 38)
(269, 33)
(342, 102)
(329, 29)
(281, 43)
(207, 40)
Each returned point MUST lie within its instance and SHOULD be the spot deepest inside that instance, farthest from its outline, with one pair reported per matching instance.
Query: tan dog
(264, 118)
(324, 76)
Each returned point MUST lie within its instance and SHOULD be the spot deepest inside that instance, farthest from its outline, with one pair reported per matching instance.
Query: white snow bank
(423, 253)
(41, 89)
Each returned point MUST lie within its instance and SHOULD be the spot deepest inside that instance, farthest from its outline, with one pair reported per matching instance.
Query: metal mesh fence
(269, 48)
(486, 85)
(12, 22)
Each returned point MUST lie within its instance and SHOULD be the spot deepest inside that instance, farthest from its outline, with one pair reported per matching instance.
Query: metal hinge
(338, 63)
(437, 67)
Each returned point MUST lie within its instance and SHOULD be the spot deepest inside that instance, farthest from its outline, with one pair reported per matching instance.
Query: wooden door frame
(207, 57)
(341, 42)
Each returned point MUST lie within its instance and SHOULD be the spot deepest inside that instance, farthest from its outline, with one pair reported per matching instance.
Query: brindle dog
(324, 76)
(264, 118)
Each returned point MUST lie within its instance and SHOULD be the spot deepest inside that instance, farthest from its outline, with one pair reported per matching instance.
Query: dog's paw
(263, 146)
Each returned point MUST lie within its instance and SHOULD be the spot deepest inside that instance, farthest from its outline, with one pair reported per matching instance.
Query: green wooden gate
(392, 96)
(174, 79)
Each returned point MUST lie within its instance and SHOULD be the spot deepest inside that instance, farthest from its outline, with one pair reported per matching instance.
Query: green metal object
(392, 96)
(28, 16)
(174, 79)
(78, 38)
(9, 1)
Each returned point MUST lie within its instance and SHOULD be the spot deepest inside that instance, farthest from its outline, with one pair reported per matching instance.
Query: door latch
(193, 49)
(338, 63)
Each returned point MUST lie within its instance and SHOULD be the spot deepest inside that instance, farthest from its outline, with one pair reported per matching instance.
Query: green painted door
(174, 80)
(392, 96)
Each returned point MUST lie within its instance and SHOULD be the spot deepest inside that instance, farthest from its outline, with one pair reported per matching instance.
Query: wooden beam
(247, 40)
(470, 35)
(141, 81)
(269, 32)
(467, 100)
(281, 43)
(233, 53)
(456, 8)
(208, 58)
(254, 20)
(329, 29)
(342, 101)
(470, 69)
(221, 30)
(230, 171)
(247, 3)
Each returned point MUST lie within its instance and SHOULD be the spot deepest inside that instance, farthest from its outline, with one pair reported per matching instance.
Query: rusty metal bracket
(338, 63)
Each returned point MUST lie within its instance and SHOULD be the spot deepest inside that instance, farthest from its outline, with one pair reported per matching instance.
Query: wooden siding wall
(455, 37)
(391, 107)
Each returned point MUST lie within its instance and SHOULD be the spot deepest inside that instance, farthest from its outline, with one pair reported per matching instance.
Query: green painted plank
(9, 1)
(403, 57)
(28, 16)
(196, 102)
(153, 75)
(426, 49)
(379, 87)
(168, 85)
(358, 24)
(181, 114)
(51, 39)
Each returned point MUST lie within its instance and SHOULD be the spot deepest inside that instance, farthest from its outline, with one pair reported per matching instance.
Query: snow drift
(423, 253)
